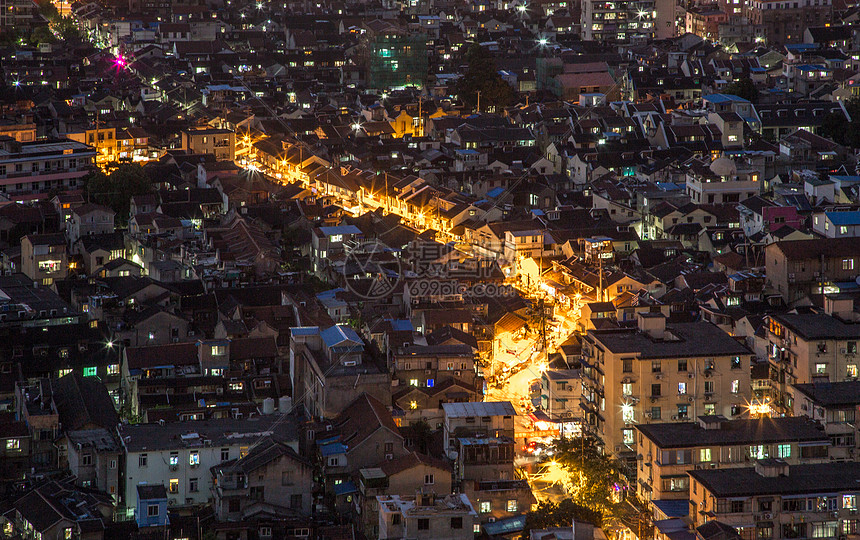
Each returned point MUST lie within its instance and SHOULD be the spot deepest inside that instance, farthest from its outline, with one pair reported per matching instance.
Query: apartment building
(670, 450)
(561, 390)
(724, 181)
(779, 501)
(219, 142)
(620, 22)
(44, 257)
(785, 21)
(329, 368)
(835, 405)
(430, 365)
(179, 455)
(659, 373)
(35, 168)
(799, 268)
(813, 345)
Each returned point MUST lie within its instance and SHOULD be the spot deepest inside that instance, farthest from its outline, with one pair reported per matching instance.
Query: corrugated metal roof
(483, 408)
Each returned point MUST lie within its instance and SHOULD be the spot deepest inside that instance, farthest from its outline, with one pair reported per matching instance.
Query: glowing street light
(522, 8)
(542, 42)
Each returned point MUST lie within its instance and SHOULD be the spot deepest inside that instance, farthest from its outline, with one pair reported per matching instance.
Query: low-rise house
(44, 257)
(271, 478)
(426, 516)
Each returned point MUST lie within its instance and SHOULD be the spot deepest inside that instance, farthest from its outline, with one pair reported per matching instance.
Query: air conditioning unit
(767, 515)
(690, 399)
(713, 465)
(427, 371)
(843, 351)
(708, 374)
(674, 417)
(389, 457)
(173, 467)
(457, 373)
(618, 448)
(491, 520)
(658, 376)
(834, 514)
(691, 375)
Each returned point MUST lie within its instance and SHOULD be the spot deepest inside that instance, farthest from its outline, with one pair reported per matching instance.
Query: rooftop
(734, 432)
(801, 479)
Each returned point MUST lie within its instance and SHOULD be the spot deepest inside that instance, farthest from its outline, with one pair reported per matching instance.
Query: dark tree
(744, 88)
(548, 514)
(116, 189)
(483, 76)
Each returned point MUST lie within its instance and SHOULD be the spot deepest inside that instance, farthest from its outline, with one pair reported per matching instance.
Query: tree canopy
(843, 131)
(744, 88)
(116, 189)
(595, 476)
(483, 76)
(548, 514)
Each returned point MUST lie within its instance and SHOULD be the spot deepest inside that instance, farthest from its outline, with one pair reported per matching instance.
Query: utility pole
(479, 101)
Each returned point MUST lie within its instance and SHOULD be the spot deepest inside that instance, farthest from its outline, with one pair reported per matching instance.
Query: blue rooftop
(402, 325)
(305, 330)
(844, 218)
(345, 488)
(339, 333)
(340, 229)
(673, 509)
(495, 192)
(724, 98)
(332, 449)
(331, 293)
(668, 186)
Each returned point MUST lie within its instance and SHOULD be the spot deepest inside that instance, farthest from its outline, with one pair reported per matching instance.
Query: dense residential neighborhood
(429, 269)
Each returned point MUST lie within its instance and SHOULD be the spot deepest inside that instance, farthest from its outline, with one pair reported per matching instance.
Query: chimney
(771, 468)
(839, 305)
(652, 324)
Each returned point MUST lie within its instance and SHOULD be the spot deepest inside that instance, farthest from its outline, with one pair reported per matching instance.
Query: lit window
(90, 371)
(219, 350)
(848, 264)
(736, 386)
(13, 444)
(413, 404)
(113, 369)
(820, 369)
(705, 454)
(682, 388)
(174, 458)
(486, 507)
(783, 451)
(194, 458)
(64, 372)
(627, 389)
(512, 505)
(174, 485)
(413, 382)
(849, 502)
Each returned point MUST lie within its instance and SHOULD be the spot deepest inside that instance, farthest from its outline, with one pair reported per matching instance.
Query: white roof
(480, 408)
